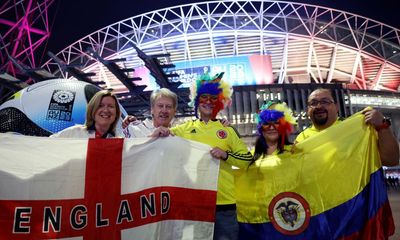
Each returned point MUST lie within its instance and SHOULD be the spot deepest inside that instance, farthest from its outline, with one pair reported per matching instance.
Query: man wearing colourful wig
(209, 96)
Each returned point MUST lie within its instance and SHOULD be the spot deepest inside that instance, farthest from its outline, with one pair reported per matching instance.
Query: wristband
(385, 124)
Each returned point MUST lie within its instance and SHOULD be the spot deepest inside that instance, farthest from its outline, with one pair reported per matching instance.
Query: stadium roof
(305, 42)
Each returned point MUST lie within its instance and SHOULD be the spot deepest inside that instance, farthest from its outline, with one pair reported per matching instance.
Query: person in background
(323, 112)
(275, 124)
(209, 96)
(102, 115)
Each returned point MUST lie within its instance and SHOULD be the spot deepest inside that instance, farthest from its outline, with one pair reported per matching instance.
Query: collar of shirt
(98, 135)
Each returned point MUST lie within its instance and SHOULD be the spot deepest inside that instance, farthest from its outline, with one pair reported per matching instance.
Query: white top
(139, 129)
(77, 131)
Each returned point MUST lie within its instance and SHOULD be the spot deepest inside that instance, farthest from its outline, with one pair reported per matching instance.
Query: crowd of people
(210, 95)
(393, 181)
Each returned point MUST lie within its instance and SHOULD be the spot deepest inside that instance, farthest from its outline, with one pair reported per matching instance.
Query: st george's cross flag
(332, 187)
(106, 189)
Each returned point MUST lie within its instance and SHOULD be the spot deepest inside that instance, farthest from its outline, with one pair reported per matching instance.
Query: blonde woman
(102, 115)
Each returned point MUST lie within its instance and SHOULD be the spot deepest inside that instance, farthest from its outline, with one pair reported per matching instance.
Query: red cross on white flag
(106, 189)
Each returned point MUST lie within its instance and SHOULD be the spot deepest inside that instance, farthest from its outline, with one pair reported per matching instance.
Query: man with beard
(323, 112)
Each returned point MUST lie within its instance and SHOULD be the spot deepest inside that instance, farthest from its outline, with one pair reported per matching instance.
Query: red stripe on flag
(381, 226)
(103, 186)
(185, 204)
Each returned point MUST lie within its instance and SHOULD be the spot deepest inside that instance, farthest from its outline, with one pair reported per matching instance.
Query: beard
(320, 121)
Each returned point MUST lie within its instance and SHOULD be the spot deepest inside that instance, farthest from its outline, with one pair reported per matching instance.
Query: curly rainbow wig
(213, 86)
(277, 113)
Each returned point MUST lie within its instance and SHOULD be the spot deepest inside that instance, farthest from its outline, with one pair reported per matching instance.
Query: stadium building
(267, 49)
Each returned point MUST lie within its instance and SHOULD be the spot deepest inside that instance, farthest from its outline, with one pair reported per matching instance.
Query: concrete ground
(394, 198)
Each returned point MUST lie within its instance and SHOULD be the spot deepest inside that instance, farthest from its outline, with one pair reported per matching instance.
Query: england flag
(57, 188)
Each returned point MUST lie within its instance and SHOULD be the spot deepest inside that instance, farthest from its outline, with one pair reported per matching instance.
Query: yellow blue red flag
(331, 187)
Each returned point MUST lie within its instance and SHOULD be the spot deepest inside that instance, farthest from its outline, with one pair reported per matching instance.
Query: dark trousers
(226, 225)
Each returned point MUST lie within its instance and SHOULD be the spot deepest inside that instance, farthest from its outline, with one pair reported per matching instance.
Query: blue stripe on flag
(341, 221)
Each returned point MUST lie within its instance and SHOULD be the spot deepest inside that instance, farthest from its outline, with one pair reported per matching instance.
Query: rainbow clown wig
(212, 86)
(280, 114)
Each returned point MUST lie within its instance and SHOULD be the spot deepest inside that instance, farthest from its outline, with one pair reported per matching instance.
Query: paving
(394, 198)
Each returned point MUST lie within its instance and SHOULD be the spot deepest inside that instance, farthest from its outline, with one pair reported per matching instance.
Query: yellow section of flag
(327, 169)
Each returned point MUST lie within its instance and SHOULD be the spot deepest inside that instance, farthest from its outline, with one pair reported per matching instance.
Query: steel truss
(24, 29)
(307, 43)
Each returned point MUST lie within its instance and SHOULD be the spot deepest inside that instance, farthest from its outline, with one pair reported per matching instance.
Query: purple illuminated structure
(24, 27)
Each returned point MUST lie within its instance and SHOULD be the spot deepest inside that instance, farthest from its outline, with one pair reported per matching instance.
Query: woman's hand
(128, 120)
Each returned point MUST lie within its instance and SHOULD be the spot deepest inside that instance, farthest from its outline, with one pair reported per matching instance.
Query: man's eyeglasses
(323, 102)
(208, 97)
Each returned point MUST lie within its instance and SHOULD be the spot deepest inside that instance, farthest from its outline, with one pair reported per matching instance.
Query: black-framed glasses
(323, 102)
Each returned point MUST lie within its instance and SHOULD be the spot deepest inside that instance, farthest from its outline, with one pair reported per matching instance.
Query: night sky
(74, 19)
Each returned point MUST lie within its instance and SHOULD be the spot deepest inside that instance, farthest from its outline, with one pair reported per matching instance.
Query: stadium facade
(268, 50)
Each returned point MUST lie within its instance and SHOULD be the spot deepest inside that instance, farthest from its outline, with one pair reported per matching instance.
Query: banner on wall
(239, 71)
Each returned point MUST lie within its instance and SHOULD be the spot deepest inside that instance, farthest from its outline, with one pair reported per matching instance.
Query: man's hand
(160, 132)
(387, 143)
(373, 117)
(218, 153)
(127, 120)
